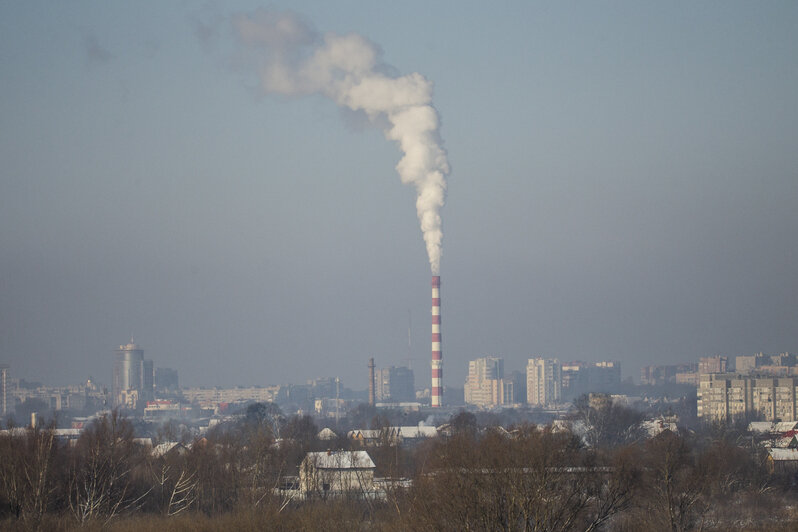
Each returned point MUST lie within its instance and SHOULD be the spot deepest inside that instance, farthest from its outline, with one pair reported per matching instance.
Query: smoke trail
(293, 59)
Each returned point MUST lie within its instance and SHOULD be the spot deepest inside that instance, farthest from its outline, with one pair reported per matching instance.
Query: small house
(336, 473)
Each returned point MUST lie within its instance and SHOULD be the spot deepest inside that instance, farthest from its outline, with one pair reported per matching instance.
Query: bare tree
(174, 482)
(676, 485)
(100, 477)
(26, 470)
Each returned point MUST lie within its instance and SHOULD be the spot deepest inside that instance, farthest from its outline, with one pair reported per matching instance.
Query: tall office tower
(543, 381)
(485, 383)
(133, 377)
(3, 389)
(437, 357)
(395, 385)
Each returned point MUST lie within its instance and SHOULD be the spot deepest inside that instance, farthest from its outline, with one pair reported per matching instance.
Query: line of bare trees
(476, 479)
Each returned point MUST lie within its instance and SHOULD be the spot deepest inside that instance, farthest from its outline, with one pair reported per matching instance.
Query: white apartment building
(543, 381)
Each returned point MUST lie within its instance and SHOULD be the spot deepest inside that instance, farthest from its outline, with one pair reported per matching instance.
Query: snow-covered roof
(760, 426)
(420, 431)
(164, 448)
(367, 434)
(326, 434)
(58, 433)
(654, 427)
(783, 454)
(340, 460)
(786, 442)
(785, 426)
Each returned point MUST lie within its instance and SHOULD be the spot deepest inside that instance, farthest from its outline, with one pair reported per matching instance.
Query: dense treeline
(477, 478)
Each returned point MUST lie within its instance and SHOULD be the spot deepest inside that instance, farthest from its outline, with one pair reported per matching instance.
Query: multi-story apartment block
(210, 397)
(715, 364)
(722, 397)
(485, 385)
(783, 364)
(543, 381)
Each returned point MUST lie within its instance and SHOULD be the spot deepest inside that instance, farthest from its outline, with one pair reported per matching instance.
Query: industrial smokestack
(371, 381)
(437, 359)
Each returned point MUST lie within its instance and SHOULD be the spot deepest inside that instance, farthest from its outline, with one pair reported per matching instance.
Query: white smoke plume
(293, 59)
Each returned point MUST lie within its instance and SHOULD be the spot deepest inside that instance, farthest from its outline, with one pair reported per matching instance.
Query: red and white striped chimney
(437, 359)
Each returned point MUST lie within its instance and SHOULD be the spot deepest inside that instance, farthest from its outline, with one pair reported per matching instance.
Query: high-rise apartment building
(543, 381)
(133, 380)
(485, 385)
(395, 385)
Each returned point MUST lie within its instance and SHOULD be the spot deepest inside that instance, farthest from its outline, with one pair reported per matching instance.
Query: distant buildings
(543, 382)
(715, 364)
(395, 385)
(485, 385)
(518, 379)
(579, 378)
(659, 375)
(133, 379)
(212, 397)
(75, 397)
(783, 364)
(724, 396)
(166, 380)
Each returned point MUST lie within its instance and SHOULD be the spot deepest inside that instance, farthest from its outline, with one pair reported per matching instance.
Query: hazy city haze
(623, 186)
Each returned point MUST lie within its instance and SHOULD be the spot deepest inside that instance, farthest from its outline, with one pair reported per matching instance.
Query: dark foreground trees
(522, 479)
(534, 480)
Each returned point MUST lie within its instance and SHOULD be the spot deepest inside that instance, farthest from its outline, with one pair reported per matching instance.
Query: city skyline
(623, 187)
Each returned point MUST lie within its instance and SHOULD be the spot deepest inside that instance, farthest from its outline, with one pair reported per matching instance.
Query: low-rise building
(336, 473)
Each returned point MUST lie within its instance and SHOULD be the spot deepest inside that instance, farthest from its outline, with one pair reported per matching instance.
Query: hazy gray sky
(624, 185)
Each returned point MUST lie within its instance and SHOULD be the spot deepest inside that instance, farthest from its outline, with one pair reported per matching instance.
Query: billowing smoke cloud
(293, 59)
